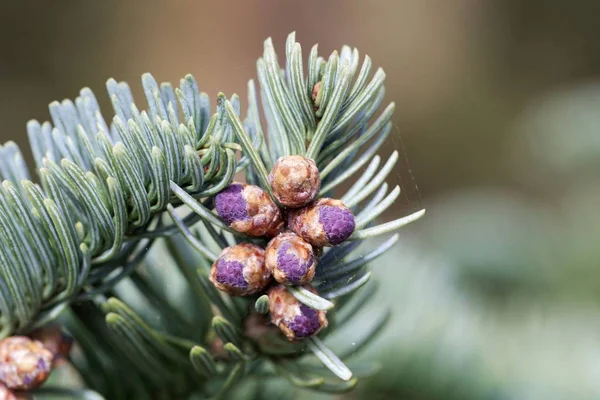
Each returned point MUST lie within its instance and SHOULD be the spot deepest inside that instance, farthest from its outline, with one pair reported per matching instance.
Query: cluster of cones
(298, 231)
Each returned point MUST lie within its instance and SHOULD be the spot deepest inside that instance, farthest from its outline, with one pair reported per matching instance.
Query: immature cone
(290, 259)
(240, 270)
(296, 320)
(248, 209)
(295, 181)
(326, 222)
(24, 363)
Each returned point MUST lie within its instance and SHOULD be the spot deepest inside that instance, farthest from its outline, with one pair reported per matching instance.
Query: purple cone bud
(249, 209)
(326, 222)
(240, 270)
(24, 363)
(296, 320)
(290, 259)
(306, 322)
(338, 223)
(231, 205)
(231, 273)
(295, 181)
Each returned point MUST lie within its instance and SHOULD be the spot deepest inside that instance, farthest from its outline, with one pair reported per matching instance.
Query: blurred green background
(496, 292)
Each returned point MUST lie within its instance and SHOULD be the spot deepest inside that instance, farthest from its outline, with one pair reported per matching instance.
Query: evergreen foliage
(118, 236)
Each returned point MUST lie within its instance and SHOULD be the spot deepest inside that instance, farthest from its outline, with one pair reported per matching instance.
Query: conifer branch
(125, 209)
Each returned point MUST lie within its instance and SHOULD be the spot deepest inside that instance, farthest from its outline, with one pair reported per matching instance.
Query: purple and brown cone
(249, 209)
(240, 270)
(295, 181)
(326, 222)
(24, 363)
(296, 320)
(290, 259)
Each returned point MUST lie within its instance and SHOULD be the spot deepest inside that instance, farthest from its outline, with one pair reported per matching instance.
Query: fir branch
(75, 240)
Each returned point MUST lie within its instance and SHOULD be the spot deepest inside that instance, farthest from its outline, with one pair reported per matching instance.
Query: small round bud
(240, 270)
(290, 259)
(249, 209)
(295, 181)
(296, 320)
(326, 222)
(24, 363)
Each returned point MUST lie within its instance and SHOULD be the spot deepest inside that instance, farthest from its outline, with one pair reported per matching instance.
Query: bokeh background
(496, 292)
